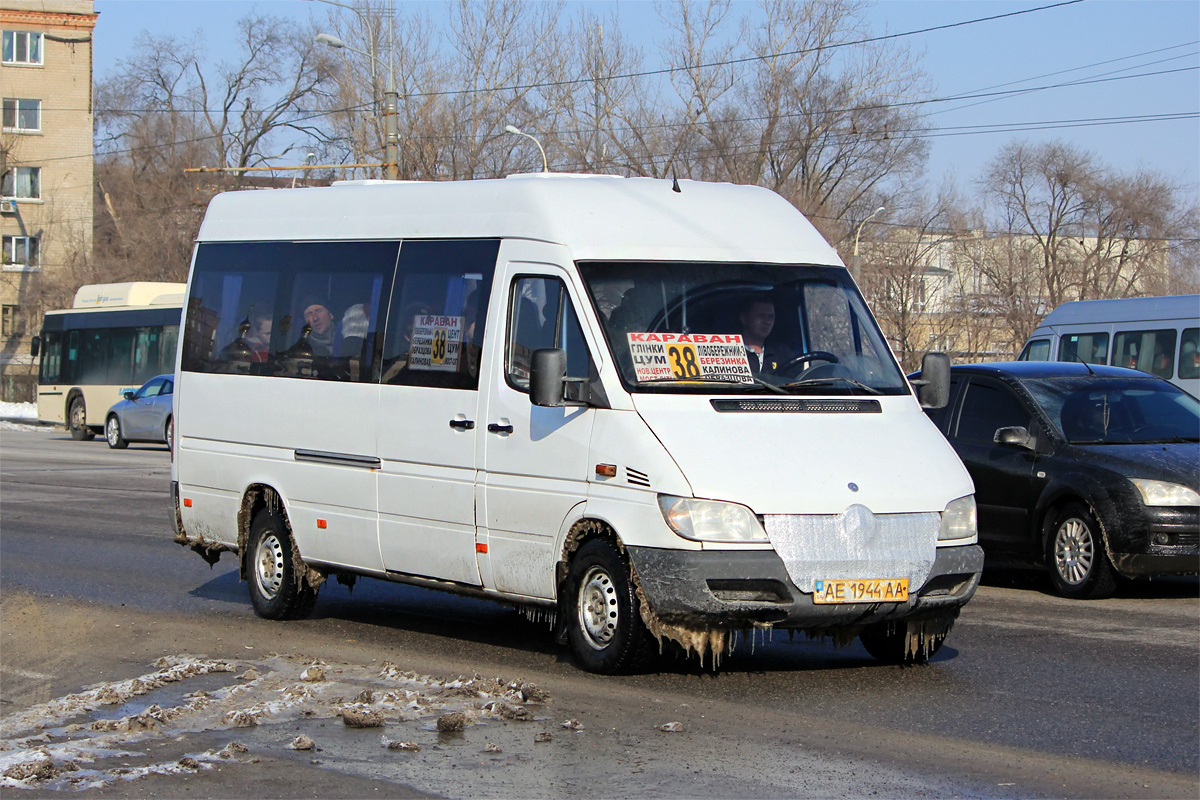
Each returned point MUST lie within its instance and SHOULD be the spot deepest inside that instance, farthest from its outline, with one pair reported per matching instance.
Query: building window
(12, 321)
(21, 254)
(22, 115)
(22, 47)
(24, 183)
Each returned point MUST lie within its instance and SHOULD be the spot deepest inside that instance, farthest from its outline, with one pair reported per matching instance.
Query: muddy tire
(1076, 555)
(112, 433)
(604, 623)
(77, 422)
(888, 642)
(274, 589)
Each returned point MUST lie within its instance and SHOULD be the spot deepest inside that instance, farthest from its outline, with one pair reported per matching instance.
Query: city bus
(114, 338)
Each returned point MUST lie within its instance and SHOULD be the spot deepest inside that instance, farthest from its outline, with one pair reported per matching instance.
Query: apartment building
(46, 168)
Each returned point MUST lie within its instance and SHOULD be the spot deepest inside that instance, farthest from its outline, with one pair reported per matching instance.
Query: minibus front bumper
(734, 589)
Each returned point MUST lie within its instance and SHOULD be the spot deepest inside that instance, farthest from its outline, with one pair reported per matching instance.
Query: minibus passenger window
(288, 309)
(1148, 351)
(1090, 348)
(1189, 354)
(435, 325)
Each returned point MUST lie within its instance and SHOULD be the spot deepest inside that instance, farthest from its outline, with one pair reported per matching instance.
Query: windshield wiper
(828, 381)
(1170, 440)
(715, 379)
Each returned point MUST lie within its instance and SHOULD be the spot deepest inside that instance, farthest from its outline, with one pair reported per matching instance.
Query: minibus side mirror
(547, 371)
(933, 389)
(35, 346)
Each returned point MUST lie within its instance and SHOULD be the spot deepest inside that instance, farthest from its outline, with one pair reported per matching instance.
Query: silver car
(143, 416)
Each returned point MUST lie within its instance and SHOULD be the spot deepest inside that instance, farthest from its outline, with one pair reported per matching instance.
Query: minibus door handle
(462, 424)
(495, 427)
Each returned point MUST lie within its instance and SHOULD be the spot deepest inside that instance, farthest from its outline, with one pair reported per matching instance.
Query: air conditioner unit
(8, 206)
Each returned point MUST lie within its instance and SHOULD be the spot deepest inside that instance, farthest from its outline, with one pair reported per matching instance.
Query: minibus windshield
(735, 328)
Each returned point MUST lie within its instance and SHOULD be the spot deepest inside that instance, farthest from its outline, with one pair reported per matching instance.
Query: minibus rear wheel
(274, 590)
(605, 629)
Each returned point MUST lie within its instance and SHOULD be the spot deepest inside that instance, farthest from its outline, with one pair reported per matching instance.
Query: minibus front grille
(637, 478)
(799, 406)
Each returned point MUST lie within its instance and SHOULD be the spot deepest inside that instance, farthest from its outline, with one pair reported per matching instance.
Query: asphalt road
(1031, 696)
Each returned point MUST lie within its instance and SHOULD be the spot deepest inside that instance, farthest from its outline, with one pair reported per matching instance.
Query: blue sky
(1090, 40)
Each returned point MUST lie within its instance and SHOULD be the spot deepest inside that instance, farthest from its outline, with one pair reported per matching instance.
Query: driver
(757, 316)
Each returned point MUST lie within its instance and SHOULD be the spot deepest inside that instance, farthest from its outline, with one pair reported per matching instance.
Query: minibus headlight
(710, 521)
(959, 520)
(1162, 493)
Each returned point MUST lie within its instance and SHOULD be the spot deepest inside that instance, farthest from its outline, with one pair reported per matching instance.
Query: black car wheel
(1076, 555)
(605, 627)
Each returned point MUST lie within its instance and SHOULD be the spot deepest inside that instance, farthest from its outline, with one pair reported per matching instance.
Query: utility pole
(391, 148)
(599, 46)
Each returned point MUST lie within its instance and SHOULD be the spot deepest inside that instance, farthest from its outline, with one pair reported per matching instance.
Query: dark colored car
(1093, 471)
(143, 416)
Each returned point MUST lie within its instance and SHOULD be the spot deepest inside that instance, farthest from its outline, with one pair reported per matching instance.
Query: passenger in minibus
(355, 324)
(259, 336)
(323, 338)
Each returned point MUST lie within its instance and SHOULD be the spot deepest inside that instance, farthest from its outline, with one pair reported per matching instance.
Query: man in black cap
(323, 336)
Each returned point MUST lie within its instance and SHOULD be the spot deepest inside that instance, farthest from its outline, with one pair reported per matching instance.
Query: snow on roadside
(72, 742)
(18, 411)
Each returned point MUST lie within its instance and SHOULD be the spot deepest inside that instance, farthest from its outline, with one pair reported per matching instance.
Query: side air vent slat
(637, 477)
(800, 406)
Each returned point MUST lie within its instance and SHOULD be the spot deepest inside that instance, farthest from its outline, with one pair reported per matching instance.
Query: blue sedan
(143, 416)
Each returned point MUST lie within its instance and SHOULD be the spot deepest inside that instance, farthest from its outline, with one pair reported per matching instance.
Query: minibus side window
(436, 321)
(334, 306)
(289, 309)
(1148, 351)
(1189, 353)
(1089, 348)
(541, 315)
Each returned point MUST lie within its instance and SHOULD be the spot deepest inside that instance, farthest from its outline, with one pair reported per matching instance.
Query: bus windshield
(728, 328)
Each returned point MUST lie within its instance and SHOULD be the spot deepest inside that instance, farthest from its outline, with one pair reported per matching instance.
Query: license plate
(871, 590)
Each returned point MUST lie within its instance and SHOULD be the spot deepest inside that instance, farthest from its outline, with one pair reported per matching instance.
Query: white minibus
(1159, 335)
(654, 412)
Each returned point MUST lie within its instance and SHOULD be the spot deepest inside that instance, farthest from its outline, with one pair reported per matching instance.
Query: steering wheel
(813, 355)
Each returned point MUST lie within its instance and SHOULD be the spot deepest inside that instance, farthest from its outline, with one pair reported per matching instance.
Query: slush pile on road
(73, 741)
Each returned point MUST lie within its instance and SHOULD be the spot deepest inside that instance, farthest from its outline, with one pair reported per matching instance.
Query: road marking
(25, 673)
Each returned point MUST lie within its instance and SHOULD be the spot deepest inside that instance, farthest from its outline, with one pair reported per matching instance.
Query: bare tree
(910, 279)
(165, 109)
(1063, 226)
(814, 113)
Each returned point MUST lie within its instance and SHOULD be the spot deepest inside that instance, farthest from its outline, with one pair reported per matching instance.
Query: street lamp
(519, 132)
(857, 266)
(391, 144)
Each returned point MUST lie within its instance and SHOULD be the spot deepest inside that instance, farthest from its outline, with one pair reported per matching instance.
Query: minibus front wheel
(605, 629)
(275, 590)
(912, 641)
